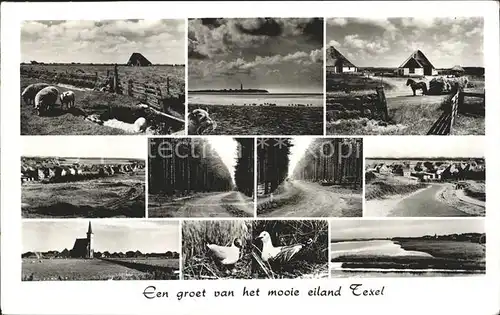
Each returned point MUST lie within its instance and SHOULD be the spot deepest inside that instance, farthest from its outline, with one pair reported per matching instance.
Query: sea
(280, 99)
(381, 248)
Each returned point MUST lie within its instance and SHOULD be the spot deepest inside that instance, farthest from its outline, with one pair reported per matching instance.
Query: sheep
(46, 98)
(140, 124)
(30, 92)
(67, 98)
(200, 122)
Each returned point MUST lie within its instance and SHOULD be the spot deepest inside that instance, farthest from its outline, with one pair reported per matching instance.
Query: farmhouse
(338, 62)
(417, 65)
(83, 247)
(138, 60)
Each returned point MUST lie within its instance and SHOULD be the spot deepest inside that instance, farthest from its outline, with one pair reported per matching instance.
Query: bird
(281, 254)
(227, 256)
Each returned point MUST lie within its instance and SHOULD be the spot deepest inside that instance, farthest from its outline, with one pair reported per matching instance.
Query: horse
(417, 86)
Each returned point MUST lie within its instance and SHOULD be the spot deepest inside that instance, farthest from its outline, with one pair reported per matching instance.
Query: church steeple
(90, 229)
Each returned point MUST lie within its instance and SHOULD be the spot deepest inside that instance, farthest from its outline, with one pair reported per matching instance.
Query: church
(83, 247)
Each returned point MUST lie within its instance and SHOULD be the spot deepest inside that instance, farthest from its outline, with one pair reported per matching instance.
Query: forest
(332, 161)
(272, 162)
(184, 166)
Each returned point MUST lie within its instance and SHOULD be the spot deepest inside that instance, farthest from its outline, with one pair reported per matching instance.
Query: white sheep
(45, 99)
(140, 124)
(67, 98)
(30, 92)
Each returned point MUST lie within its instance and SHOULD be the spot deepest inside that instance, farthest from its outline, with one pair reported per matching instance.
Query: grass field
(447, 255)
(97, 269)
(383, 186)
(115, 196)
(89, 102)
(244, 120)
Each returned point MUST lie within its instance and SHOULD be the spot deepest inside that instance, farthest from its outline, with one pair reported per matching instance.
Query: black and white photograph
(83, 177)
(291, 249)
(407, 248)
(213, 250)
(201, 177)
(255, 76)
(80, 250)
(405, 76)
(309, 177)
(109, 77)
(420, 178)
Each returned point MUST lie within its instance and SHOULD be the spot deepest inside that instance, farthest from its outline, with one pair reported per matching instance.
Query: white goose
(226, 255)
(280, 253)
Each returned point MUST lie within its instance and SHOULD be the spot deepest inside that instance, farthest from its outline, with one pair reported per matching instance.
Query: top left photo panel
(108, 77)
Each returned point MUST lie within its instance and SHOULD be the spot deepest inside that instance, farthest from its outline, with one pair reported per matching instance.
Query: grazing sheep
(67, 98)
(45, 99)
(30, 92)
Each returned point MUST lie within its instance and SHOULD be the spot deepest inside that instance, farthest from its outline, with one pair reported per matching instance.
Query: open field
(96, 269)
(407, 114)
(157, 74)
(264, 120)
(112, 114)
(114, 196)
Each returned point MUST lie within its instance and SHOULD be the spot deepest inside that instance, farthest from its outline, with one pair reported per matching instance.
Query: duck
(227, 256)
(280, 254)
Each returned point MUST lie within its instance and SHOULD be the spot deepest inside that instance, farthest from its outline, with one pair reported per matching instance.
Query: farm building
(138, 60)
(417, 65)
(339, 62)
(83, 247)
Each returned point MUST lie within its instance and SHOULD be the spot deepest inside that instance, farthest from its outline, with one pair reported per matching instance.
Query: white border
(471, 295)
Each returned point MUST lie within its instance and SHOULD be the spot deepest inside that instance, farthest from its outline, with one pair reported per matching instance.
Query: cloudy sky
(402, 146)
(113, 236)
(112, 41)
(86, 146)
(389, 42)
(351, 229)
(279, 55)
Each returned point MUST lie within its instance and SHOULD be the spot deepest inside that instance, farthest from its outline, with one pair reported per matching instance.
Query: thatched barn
(457, 71)
(417, 65)
(338, 62)
(138, 60)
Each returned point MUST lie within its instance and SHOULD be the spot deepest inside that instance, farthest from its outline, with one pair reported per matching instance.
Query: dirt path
(210, 205)
(422, 203)
(318, 201)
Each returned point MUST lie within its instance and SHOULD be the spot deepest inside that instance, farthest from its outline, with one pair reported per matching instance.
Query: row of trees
(244, 172)
(181, 166)
(106, 254)
(332, 161)
(272, 162)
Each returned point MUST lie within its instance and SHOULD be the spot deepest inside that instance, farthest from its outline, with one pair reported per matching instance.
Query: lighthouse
(241, 86)
(90, 242)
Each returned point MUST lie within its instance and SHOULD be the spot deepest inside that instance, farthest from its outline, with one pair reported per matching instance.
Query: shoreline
(384, 207)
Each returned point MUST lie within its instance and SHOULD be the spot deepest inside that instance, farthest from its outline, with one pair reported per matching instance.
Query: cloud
(334, 43)
(260, 27)
(161, 41)
(337, 21)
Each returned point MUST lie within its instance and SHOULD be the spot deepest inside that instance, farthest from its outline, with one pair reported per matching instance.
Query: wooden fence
(444, 124)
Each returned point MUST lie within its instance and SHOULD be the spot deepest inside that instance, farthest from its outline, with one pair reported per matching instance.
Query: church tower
(90, 242)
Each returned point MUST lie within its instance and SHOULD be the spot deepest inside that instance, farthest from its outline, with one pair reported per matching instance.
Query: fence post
(382, 102)
(168, 87)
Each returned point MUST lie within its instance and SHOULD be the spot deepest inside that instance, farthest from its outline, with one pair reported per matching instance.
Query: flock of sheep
(44, 97)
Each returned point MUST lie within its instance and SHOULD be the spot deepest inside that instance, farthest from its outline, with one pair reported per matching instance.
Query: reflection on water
(257, 99)
(376, 274)
(373, 247)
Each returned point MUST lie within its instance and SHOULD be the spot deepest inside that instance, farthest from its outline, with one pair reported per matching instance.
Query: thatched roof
(137, 59)
(458, 68)
(417, 60)
(335, 58)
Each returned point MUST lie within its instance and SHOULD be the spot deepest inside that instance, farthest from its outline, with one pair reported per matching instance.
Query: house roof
(457, 68)
(418, 59)
(138, 59)
(335, 58)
